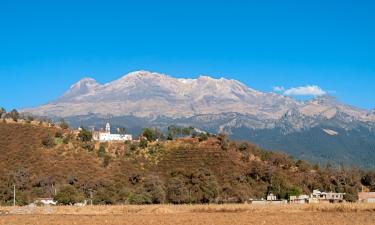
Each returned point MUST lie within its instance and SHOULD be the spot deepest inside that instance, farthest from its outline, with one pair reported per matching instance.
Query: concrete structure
(300, 199)
(107, 136)
(331, 197)
(45, 201)
(271, 197)
(366, 197)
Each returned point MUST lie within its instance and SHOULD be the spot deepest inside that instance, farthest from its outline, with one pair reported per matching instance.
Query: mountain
(341, 133)
(146, 94)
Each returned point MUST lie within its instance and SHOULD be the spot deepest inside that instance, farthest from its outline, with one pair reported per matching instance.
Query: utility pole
(91, 197)
(14, 195)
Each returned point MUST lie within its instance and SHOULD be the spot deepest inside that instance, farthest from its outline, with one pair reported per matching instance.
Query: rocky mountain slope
(143, 98)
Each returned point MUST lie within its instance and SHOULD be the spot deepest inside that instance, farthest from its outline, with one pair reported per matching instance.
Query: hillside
(178, 171)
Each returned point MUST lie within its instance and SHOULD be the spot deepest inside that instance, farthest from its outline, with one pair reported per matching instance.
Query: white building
(107, 136)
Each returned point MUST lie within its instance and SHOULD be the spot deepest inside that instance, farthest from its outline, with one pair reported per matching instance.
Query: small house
(366, 197)
(330, 197)
(300, 199)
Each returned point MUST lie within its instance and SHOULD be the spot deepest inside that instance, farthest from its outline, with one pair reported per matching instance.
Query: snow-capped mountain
(144, 98)
(146, 94)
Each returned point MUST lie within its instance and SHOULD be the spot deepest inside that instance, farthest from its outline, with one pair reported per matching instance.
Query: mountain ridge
(143, 99)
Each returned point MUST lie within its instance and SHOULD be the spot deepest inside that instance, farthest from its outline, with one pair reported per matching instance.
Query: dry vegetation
(42, 161)
(192, 214)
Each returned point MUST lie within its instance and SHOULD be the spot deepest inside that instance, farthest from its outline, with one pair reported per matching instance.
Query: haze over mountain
(341, 133)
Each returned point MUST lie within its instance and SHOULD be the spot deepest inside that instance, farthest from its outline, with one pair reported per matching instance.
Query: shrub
(101, 151)
(58, 134)
(224, 141)
(177, 191)
(64, 125)
(85, 135)
(139, 198)
(149, 134)
(85, 145)
(104, 196)
(14, 115)
(202, 137)
(48, 141)
(143, 143)
(69, 195)
(154, 189)
(106, 160)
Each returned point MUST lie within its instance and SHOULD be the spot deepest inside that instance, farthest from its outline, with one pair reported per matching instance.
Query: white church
(107, 136)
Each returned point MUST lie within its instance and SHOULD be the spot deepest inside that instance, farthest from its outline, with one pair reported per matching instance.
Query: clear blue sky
(46, 46)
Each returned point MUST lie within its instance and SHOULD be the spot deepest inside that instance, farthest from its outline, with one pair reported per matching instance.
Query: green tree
(202, 137)
(85, 135)
(294, 191)
(150, 134)
(101, 151)
(69, 195)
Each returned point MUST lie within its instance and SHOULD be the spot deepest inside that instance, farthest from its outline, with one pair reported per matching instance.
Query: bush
(106, 160)
(48, 141)
(85, 135)
(177, 191)
(63, 124)
(14, 115)
(154, 189)
(143, 143)
(139, 198)
(224, 141)
(69, 195)
(202, 137)
(101, 151)
(103, 196)
(149, 134)
(85, 145)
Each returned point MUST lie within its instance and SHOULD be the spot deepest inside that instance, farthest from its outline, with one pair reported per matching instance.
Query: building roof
(366, 195)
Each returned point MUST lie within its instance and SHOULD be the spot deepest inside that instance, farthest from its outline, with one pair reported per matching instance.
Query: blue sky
(45, 47)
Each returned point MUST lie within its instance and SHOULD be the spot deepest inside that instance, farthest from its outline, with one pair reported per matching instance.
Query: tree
(149, 134)
(69, 195)
(202, 137)
(101, 151)
(177, 191)
(224, 142)
(64, 125)
(104, 196)
(2, 112)
(155, 189)
(294, 191)
(14, 115)
(85, 135)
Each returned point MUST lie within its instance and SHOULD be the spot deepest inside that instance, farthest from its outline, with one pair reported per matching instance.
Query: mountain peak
(142, 74)
(84, 86)
(84, 82)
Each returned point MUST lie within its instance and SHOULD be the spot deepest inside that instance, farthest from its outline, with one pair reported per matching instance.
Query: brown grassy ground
(197, 214)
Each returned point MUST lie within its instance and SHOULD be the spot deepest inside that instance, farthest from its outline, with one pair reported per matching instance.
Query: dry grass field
(186, 214)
